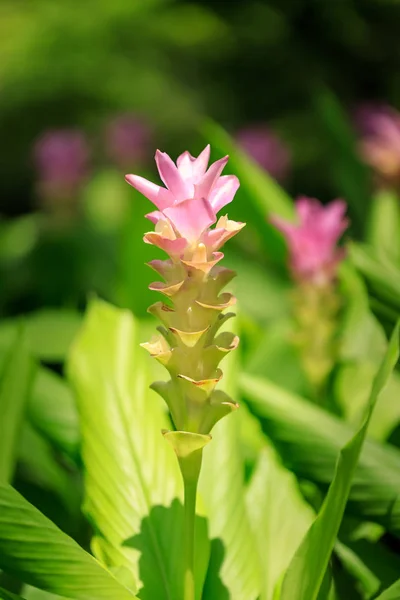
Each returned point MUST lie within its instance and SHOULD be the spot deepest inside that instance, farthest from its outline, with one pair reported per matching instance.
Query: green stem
(190, 515)
(190, 467)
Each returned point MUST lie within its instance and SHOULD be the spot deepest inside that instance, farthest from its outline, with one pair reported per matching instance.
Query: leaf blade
(35, 550)
(307, 569)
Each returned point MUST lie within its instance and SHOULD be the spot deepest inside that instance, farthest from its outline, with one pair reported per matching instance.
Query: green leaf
(133, 487)
(49, 333)
(234, 567)
(38, 465)
(52, 411)
(15, 385)
(392, 593)
(382, 276)
(309, 440)
(280, 518)
(259, 197)
(363, 344)
(4, 595)
(306, 571)
(384, 225)
(234, 570)
(35, 550)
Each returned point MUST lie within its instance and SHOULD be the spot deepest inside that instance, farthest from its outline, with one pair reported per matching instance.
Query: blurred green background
(298, 67)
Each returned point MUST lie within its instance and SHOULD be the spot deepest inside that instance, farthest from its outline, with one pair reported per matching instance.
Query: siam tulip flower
(266, 148)
(61, 158)
(313, 251)
(127, 139)
(379, 128)
(314, 258)
(189, 344)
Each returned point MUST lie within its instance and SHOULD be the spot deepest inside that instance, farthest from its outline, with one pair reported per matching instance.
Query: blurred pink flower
(127, 139)
(312, 242)
(379, 128)
(266, 148)
(188, 205)
(61, 158)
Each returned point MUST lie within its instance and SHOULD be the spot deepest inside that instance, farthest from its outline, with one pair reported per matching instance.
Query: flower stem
(190, 515)
(190, 467)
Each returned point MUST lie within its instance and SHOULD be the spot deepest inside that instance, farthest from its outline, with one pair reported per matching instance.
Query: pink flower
(127, 139)
(313, 251)
(61, 159)
(266, 148)
(379, 127)
(188, 205)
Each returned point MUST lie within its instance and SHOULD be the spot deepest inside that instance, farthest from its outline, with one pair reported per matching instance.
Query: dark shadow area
(214, 589)
(161, 564)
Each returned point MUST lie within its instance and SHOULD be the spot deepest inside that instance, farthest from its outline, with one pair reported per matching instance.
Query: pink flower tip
(188, 202)
(313, 251)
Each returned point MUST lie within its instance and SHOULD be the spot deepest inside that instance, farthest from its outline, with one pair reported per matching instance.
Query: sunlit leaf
(384, 225)
(280, 517)
(309, 440)
(133, 486)
(306, 571)
(35, 550)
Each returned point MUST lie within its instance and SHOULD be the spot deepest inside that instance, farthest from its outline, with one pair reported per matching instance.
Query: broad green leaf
(234, 570)
(259, 197)
(133, 488)
(49, 333)
(384, 225)
(306, 571)
(15, 383)
(392, 593)
(4, 595)
(382, 276)
(35, 550)
(363, 344)
(31, 593)
(52, 411)
(309, 440)
(234, 566)
(280, 518)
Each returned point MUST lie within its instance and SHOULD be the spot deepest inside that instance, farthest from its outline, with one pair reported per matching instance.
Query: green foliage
(42, 555)
(392, 593)
(15, 383)
(309, 440)
(306, 571)
(280, 517)
(133, 488)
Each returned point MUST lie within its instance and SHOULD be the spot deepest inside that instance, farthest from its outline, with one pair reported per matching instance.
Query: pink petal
(156, 194)
(210, 178)
(191, 217)
(192, 169)
(224, 191)
(171, 247)
(154, 216)
(216, 238)
(307, 208)
(171, 177)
